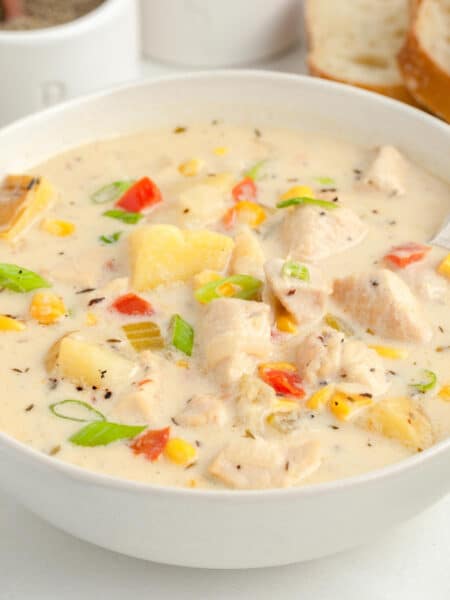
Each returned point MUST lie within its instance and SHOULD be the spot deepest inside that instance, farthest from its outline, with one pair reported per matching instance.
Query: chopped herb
(182, 335)
(102, 433)
(111, 191)
(249, 434)
(295, 270)
(52, 383)
(256, 171)
(95, 301)
(430, 380)
(306, 200)
(181, 129)
(442, 348)
(29, 407)
(21, 280)
(334, 427)
(111, 239)
(257, 132)
(90, 413)
(247, 288)
(325, 180)
(86, 291)
(108, 394)
(130, 218)
(55, 450)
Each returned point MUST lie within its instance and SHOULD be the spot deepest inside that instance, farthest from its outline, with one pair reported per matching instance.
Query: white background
(38, 562)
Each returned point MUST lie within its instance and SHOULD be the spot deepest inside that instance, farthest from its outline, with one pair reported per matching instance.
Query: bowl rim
(83, 475)
(79, 25)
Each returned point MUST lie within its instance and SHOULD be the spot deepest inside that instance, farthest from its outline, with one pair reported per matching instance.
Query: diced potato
(402, 420)
(10, 324)
(22, 199)
(58, 227)
(444, 267)
(248, 255)
(85, 363)
(162, 254)
(192, 167)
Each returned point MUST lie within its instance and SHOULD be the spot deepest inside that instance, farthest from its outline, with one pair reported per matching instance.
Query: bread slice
(424, 59)
(357, 41)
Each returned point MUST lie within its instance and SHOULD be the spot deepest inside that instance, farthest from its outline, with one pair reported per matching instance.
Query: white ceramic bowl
(219, 33)
(226, 528)
(41, 67)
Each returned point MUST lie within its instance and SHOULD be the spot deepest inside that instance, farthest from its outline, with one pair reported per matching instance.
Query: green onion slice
(430, 380)
(111, 239)
(305, 200)
(325, 180)
(182, 334)
(144, 335)
(102, 433)
(247, 288)
(91, 413)
(111, 191)
(130, 218)
(295, 270)
(338, 324)
(18, 279)
(256, 171)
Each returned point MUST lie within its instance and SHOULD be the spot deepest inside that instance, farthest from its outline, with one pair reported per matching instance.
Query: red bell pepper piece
(151, 443)
(284, 382)
(229, 218)
(130, 304)
(245, 190)
(143, 194)
(406, 254)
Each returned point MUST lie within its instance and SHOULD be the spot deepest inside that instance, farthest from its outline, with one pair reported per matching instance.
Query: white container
(42, 67)
(218, 33)
(226, 528)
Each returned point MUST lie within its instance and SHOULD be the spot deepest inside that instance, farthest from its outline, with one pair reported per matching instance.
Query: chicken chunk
(330, 356)
(251, 464)
(305, 300)
(426, 283)
(381, 301)
(311, 233)
(233, 334)
(255, 400)
(248, 256)
(203, 409)
(387, 172)
(135, 407)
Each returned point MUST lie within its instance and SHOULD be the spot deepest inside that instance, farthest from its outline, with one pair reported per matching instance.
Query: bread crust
(426, 80)
(398, 92)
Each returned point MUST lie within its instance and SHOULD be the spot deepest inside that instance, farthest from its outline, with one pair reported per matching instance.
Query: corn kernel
(47, 308)
(444, 267)
(250, 213)
(192, 483)
(192, 167)
(183, 364)
(226, 289)
(298, 191)
(320, 398)
(204, 277)
(91, 319)
(344, 405)
(286, 322)
(221, 150)
(389, 352)
(58, 227)
(10, 324)
(444, 393)
(180, 452)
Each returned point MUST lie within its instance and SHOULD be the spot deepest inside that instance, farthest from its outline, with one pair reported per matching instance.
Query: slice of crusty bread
(357, 41)
(424, 59)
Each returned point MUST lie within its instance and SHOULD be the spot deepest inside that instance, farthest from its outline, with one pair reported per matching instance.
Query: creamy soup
(221, 307)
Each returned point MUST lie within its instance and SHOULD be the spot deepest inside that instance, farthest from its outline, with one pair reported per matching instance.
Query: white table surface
(38, 562)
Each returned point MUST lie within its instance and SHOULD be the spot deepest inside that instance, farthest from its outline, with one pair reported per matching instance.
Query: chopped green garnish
(111, 191)
(245, 287)
(130, 218)
(182, 334)
(325, 180)
(295, 270)
(430, 380)
(78, 407)
(111, 239)
(21, 280)
(255, 172)
(102, 433)
(305, 200)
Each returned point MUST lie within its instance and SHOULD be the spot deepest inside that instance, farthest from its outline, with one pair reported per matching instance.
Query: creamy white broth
(346, 447)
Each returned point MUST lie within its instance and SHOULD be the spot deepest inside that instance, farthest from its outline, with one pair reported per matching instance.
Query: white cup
(42, 67)
(218, 33)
